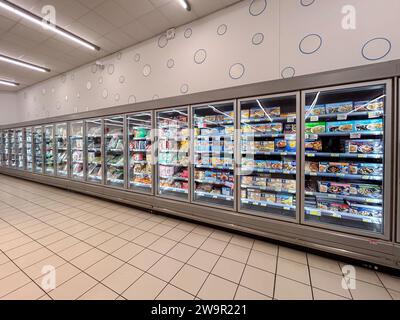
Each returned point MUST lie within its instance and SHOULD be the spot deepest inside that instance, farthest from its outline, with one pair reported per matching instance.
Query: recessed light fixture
(10, 7)
(185, 4)
(23, 64)
(9, 83)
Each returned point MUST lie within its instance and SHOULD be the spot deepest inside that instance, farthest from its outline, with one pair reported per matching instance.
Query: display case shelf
(140, 185)
(342, 215)
(269, 189)
(268, 204)
(267, 170)
(214, 196)
(343, 155)
(269, 153)
(174, 189)
(343, 197)
(354, 135)
(200, 166)
(344, 116)
(344, 176)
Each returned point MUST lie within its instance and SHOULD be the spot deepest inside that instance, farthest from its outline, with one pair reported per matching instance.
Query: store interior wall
(252, 41)
(8, 108)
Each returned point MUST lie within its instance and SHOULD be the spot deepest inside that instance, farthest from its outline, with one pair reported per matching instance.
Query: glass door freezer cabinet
(49, 150)
(13, 148)
(1, 147)
(346, 158)
(28, 153)
(94, 151)
(19, 149)
(61, 144)
(76, 141)
(38, 149)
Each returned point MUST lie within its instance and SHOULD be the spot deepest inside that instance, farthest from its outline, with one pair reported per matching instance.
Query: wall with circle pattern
(252, 41)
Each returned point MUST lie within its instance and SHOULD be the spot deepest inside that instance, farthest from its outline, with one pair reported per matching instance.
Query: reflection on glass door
(62, 149)
(76, 149)
(94, 144)
(345, 157)
(214, 132)
(28, 149)
(173, 152)
(268, 150)
(140, 145)
(38, 142)
(19, 161)
(49, 149)
(115, 155)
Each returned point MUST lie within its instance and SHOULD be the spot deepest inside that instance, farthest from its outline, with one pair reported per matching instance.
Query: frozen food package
(371, 146)
(366, 210)
(290, 128)
(341, 107)
(369, 125)
(334, 167)
(311, 166)
(313, 145)
(284, 199)
(360, 106)
(334, 187)
(317, 110)
(315, 127)
(366, 190)
(340, 126)
(370, 169)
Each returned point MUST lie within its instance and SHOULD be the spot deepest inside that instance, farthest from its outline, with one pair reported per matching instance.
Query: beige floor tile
(173, 293)
(23, 250)
(328, 281)
(214, 246)
(258, 280)
(112, 245)
(186, 226)
(235, 252)
(12, 283)
(3, 258)
(73, 288)
(128, 251)
(176, 234)
(160, 229)
(216, 288)
(32, 258)
(146, 225)
(52, 238)
(181, 252)
(194, 240)
(75, 251)
(7, 268)
(162, 245)
(43, 233)
(203, 260)
(122, 278)
(324, 295)
(221, 235)
(203, 230)
(243, 293)
(228, 269)
(146, 239)
(99, 292)
(189, 279)
(395, 294)
(365, 275)
(131, 234)
(293, 270)
(76, 228)
(286, 289)
(15, 243)
(367, 291)
(389, 281)
(262, 260)
(87, 233)
(145, 259)
(324, 264)
(106, 225)
(36, 271)
(146, 288)
(242, 241)
(88, 258)
(99, 238)
(104, 268)
(294, 255)
(31, 291)
(118, 229)
(166, 268)
(63, 244)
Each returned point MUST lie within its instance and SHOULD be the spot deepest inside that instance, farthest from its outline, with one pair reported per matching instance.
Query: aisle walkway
(102, 250)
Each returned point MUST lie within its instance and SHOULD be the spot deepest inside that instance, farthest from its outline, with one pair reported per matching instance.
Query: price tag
(374, 114)
(368, 178)
(287, 208)
(311, 155)
(332, 196)
(340, 175)
(315, 213)
(355, 135)
(366, 220)
(342, 117)
(263, 204)
(362, 156)
(337, 155)
(215, 197)
(312, 136)
(314, 118)
(313, 174)
(291, 119)
(336, 215)
(290, 137)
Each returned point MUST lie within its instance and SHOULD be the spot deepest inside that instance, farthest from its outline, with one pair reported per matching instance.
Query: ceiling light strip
(8, 83)
(185, 4)
(21, 12)
(23, 64)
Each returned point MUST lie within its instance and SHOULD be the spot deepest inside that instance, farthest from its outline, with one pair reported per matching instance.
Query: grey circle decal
(156, 96)
(63, 78)
(184, 88)
(25, 95)
(236, 71)
(100, 80)
(58, 106)
(200, 56)
(105, 94)
(94, 68)
(310, 43)
(376, 49)
(121, 79)
(66, 98)
(132, 99)
(306, 3)
(170, 63)
(72, 76)
(88, 85)
(78, 95)
(119, 55)
(53, 90)
(222, 29)
(110, 69)
(288, 72)
(257, 7)
(43, 91)
(117, 97)
(188, 33)
(258, 38)
(137, 57)
(146, 70)
(162, 41)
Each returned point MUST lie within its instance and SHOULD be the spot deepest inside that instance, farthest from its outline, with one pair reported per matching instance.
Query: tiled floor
(102, 250)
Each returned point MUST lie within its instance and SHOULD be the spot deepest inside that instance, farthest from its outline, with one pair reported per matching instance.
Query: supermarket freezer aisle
(103, 250)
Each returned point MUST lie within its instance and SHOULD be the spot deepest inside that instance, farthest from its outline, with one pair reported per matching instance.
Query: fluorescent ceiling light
(23, 63)
(8, 83)
(185, 4)
(25, 14)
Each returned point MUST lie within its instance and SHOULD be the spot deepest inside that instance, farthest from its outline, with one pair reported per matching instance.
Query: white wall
(8, 108)
(249, 42)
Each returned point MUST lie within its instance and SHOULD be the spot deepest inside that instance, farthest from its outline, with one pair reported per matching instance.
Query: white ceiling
(111, 24)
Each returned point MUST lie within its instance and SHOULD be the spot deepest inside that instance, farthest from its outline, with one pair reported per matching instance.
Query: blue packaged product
(274, 164)
(226, 191)
(285, 145)
(370, 169)
(340, 126)
(284, 199)
(360, 106)
(365, 210)
(318, 110)
(366, 190)
(341, 107)
(371, 146)
(369, 125)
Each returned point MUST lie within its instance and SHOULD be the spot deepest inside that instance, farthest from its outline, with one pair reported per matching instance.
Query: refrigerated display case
(7, 147)
(140, 164)
(173, 136)
(268, 156)
(347, 133)
(13, 147)
(28, 150)
(76, 134)
(19, 143)
(214, 150)
(114, 151)
(1, 148)
(38, 147)
(93, 148)
(49, 149)
(61, 138)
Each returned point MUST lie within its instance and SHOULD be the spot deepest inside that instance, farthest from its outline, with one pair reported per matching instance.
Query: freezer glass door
(49, 149)
(76, 149)
(1, 148)
(173, 153)
(7, 147)
(214, 131)
(28, 149)
(13, 147)
(115, 155)
(19, 161)
(268, 149)
(94, 145)
(38, 140)
(62, 149)
(345, 157)
(140, 155)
